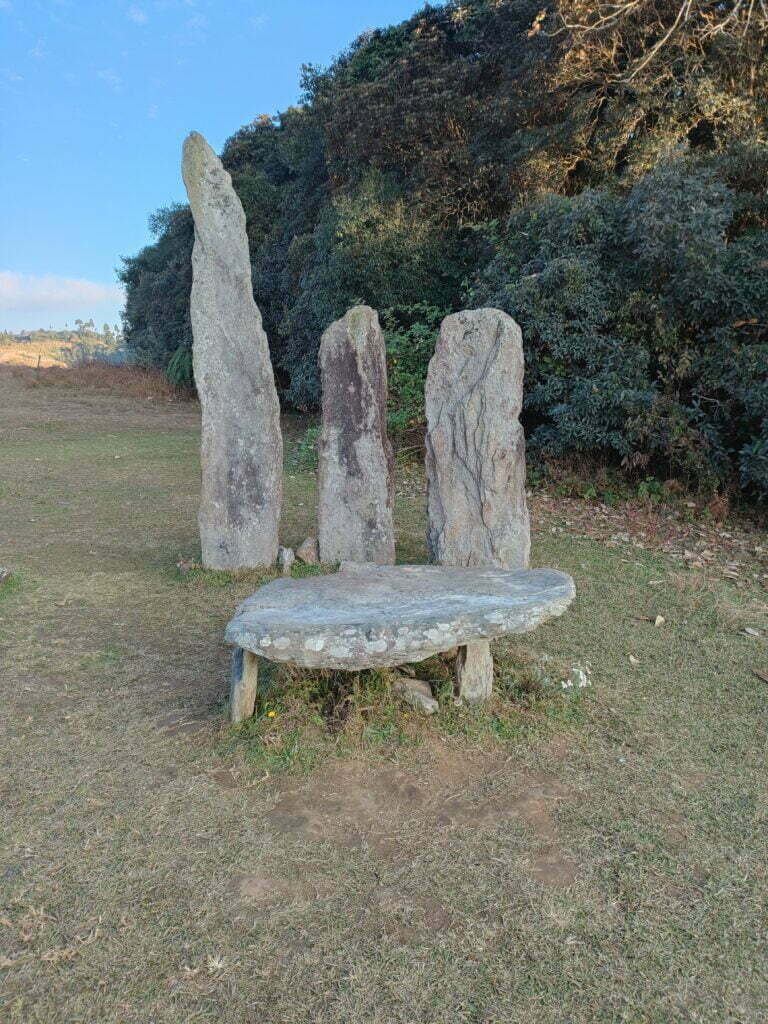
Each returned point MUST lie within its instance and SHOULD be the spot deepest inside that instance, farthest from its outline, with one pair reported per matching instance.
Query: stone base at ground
(307, 552)
(285, 559)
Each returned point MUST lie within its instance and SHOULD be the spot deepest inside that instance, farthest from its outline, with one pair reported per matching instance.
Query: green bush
(179, 370)
(474, 154)
(644, 317)
(410, 334)
(303, 456)
(158, 282)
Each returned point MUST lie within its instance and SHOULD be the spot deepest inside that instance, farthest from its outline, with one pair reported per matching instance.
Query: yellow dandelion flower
(271, 714)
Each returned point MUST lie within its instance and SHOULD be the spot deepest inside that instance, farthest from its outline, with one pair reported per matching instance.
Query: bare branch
(629, 35)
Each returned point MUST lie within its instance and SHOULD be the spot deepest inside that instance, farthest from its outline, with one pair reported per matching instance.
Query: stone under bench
(374, 616)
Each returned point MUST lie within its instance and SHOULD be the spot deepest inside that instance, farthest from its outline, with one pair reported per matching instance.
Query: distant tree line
(81, 331)
(599, 171)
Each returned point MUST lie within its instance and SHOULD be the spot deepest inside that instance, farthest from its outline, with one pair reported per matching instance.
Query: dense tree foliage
(158, 282)
(645, 322)
(491, 151)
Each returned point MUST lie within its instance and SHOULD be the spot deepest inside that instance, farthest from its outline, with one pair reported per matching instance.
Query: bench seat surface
(376, 616)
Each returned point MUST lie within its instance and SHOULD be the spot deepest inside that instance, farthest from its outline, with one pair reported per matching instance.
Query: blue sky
(96, 97)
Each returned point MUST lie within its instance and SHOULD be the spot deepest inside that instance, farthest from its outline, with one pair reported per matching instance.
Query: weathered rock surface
(355, 482)
(474, 672)
(241, 447)
(475, 447)
(416, 693)
(285, 559)
(243, 681)
(368, 617)
(307, 551)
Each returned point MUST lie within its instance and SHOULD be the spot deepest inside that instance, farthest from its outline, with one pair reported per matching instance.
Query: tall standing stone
(355, 480)
(242, 447)
(476, 507)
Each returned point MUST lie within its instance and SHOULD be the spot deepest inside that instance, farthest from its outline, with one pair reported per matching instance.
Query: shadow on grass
(303, 717)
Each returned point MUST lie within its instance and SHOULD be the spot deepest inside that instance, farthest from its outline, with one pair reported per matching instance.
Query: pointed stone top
(217, 211)
(360, 315)
(351, 330)
(197, 158)
(196, 141)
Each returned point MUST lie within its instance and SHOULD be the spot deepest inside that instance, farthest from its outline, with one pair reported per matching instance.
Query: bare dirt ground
(607, 865)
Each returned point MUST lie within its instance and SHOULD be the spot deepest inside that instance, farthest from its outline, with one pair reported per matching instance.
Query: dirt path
(612, 871)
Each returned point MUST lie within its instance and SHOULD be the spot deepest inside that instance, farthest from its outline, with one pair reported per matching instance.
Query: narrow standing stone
(241, 447)
(474, 672)
(475, 457)
(243, 681)
(355, 469)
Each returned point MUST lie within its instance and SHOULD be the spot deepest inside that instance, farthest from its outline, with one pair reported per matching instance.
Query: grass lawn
(551, 859)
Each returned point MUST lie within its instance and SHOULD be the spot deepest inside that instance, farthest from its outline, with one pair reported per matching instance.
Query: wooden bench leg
(242, 684)
(474, 672)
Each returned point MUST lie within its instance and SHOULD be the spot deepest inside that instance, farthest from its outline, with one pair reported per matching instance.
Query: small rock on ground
(307, 552)
(416, 693)
(285, 559)
(187, 565)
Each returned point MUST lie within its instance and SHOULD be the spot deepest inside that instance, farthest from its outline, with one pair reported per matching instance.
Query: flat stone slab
(376, 616)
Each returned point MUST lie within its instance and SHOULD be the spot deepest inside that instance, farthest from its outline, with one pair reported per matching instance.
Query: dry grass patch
(41, 353)
(545, 859)
(305, 718)
(132, 381)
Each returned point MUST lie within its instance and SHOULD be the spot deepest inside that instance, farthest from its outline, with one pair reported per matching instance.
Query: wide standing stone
(475, 457)
(355, 479)
(241, 447)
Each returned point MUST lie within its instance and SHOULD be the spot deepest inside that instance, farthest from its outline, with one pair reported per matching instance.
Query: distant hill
(67, 347)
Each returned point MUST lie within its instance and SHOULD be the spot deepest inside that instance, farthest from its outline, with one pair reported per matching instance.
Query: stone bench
(371, 616)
